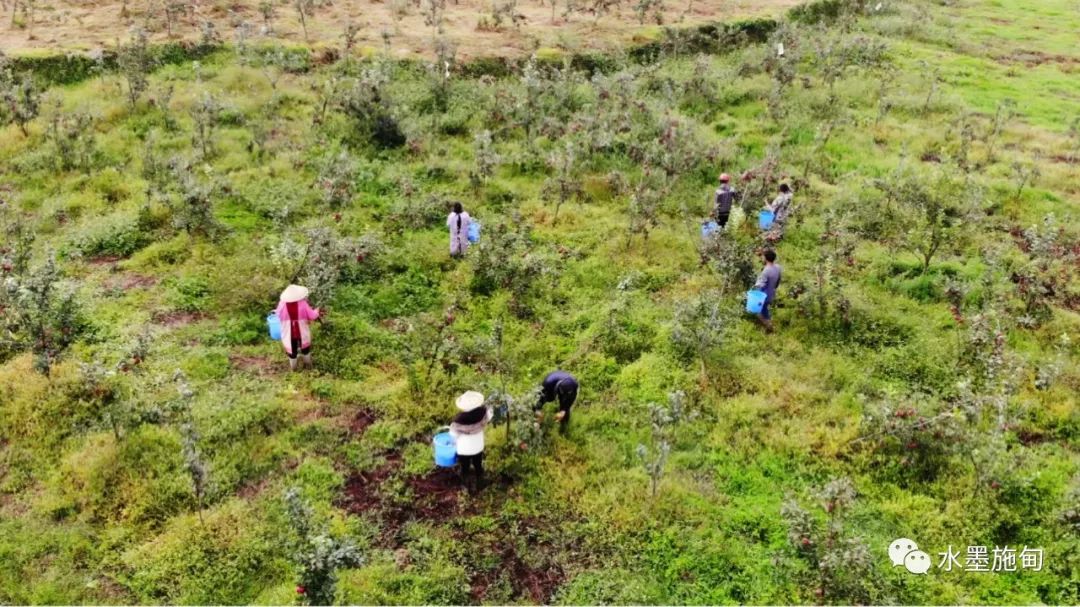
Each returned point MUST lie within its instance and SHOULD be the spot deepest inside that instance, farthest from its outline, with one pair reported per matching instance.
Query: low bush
(229, 556)
(116, 235)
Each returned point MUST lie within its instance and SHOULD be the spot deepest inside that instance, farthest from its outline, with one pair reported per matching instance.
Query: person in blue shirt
(562, 386)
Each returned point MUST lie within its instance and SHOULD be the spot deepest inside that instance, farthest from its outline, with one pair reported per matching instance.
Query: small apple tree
(39, 312)
(663, 421)
(317, 554)
(839, 565)
(20, 97)
(135, 63)
(701, 326)
(564, 185)
(931, 214)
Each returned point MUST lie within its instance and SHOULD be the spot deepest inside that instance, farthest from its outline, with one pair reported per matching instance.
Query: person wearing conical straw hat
(295, 315)
(468, 432)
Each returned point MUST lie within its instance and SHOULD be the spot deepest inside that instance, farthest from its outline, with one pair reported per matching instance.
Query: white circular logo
(899, 549)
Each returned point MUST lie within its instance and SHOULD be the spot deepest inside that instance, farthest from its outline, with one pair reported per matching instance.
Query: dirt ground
(87, 24)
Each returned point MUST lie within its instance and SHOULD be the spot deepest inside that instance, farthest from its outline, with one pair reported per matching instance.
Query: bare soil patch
(177, 318)
(361, 493)
(435, 497)
(437, 493)
(135, 281)
(81, 25)
(253, 489)
(257, 365)
(1032, 58)
(110, 260)
(1031, 437)
(535, 580)
(132, 280)
(360, 422)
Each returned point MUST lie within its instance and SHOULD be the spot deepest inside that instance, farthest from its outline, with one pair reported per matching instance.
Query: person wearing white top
(458, 222)
(468, 432)
(781, 205)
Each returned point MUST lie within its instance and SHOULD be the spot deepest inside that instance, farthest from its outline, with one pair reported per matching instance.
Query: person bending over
(562, 386)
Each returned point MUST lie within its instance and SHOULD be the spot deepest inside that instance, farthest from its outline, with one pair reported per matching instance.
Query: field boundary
(67, 68)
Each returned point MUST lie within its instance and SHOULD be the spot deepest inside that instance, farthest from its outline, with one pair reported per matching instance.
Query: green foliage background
(85, 517)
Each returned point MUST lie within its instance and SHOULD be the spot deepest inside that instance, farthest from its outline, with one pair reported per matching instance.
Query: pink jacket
(306, 314)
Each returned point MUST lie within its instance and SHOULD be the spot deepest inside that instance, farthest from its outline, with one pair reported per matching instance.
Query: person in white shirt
(468, 432)
(458, 222)
(781, 205)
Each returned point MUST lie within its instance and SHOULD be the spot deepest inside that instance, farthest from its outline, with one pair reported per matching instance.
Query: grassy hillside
(922, 381)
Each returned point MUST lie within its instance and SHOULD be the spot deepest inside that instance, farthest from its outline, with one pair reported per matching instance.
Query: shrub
(507, 259)
(225, 559)
(931, 215)
(621, 335)
(40, 313)
(72, 139)
(116, 235)
(914, 438)
(564, 185)
(839, 565)
(337, 180)
(365, 100)
(192, 205)
(731, 258)
(416, 212)
(107, 399)
(664, 421)
(277, 200)
(20, 98)
(429, 344)
(326, 260)
(206, 114)
(700, 328)
(1050, 273)
(823, 295)
(317, 554)
(135, 63)
(191, 293)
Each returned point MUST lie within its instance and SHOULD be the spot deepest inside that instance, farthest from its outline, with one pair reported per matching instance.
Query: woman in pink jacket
(295, 314)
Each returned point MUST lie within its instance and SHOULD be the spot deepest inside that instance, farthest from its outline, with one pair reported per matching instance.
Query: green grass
(85, 518)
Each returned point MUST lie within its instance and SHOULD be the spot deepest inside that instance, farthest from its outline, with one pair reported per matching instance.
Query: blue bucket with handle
(709, 228)
(274, 325)
(445, 448)
(765, 219)
(474, 232)
(755, 301)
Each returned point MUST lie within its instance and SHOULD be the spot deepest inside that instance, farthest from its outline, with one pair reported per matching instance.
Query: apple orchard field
(157, 193)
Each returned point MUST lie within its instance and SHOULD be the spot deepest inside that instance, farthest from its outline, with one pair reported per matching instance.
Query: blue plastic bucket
(708, 228)
(274, 325)
(445, 450)
(765, 219)
(755, 301)
(474, 232)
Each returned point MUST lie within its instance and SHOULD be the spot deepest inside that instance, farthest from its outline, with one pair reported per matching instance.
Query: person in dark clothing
(768, 281)
(726, 197)
(562, 386)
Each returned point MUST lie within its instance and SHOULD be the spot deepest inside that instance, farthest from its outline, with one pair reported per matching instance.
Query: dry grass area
(85, 25)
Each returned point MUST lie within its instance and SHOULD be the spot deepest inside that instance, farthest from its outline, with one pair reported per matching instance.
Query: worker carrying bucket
(467, 433)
